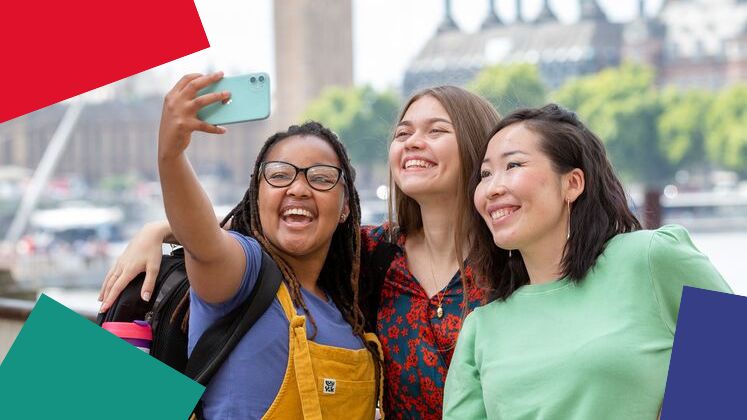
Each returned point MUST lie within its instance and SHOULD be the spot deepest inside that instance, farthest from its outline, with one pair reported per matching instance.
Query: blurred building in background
(119, 137)
(117, 133)
(560, 51)
(313, 50)
(705, 43)
(691, 44)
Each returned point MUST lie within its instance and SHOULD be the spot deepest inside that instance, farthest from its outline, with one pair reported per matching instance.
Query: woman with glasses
(301, 208)
(415, 288)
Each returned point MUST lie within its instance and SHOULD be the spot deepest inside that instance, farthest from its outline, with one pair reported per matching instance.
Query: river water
(728, 252)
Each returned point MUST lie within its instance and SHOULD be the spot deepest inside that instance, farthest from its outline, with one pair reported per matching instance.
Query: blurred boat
(69, 246)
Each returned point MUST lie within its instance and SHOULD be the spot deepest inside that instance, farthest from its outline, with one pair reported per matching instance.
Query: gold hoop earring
(568, 236)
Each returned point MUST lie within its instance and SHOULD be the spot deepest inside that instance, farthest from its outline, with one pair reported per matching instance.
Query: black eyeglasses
(281, 174)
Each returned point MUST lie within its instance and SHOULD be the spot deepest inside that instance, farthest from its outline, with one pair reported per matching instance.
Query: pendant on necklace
(440, 311)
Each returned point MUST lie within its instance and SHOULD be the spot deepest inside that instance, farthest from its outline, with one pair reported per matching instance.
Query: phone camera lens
(253, 79)
(261, 78)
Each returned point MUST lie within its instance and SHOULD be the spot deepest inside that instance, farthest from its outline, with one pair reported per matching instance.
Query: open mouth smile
(296, 216)
(498, 214)
(417, 163)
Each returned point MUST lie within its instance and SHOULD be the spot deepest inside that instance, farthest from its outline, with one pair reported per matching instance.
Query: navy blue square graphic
(708, 370)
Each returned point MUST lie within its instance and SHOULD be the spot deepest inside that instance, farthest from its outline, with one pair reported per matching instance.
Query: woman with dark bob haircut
(584, 302)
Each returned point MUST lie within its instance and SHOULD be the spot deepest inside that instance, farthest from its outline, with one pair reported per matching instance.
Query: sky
(387, 34)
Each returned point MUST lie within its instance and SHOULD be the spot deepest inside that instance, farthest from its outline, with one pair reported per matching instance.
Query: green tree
(726, 128)
(682, 127)
(622, 107)
(362, 117)
(509, 87)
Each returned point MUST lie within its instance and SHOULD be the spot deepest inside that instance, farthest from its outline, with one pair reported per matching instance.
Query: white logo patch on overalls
(329, 386)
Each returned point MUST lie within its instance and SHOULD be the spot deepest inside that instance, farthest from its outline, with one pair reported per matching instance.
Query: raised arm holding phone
(302, 209)
(214, 260)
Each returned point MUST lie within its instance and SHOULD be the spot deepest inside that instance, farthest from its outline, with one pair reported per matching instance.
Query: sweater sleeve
(463, 398)
(675, 262)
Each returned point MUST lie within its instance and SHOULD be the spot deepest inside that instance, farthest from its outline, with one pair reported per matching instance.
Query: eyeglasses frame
(340, 174)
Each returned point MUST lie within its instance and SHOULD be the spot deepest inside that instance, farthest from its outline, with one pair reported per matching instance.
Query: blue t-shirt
(247, 383)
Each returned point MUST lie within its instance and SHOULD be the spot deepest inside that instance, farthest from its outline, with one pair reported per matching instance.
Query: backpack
(167, 314)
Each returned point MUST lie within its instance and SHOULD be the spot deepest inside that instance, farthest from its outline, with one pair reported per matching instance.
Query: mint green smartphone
(250, 100)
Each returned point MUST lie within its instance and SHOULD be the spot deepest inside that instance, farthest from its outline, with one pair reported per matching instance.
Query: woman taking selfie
(584, 302)
(419, 305)
(302, 209)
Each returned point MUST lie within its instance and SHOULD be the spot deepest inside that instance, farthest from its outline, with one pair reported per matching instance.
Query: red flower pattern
(417, 344)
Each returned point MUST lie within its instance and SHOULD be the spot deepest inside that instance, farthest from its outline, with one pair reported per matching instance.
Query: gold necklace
(439, 308)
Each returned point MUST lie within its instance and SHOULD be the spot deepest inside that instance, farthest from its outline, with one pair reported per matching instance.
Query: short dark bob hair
(598, 214)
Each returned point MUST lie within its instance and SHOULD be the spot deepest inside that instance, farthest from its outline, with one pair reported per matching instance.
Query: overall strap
(305, 378)
(371, 337)
(304, 371)
(286, 302)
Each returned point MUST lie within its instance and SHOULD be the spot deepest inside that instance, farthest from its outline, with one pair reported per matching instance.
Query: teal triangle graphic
(63, 366)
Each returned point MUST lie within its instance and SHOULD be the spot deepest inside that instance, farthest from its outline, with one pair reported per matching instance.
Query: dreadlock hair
(340, 272)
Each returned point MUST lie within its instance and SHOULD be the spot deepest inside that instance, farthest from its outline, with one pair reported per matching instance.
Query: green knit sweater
(598, 349)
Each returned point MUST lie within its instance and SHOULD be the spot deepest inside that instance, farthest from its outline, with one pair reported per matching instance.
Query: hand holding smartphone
(250, 100)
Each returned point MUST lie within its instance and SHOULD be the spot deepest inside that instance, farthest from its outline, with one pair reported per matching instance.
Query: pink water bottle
(137, 333)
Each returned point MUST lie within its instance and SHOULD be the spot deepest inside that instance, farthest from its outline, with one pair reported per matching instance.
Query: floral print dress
(417, 344)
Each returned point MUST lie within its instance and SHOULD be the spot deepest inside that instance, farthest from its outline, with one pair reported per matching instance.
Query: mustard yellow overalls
(324, 382)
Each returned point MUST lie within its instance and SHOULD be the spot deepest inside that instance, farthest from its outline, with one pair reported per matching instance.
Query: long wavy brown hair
(473, 118)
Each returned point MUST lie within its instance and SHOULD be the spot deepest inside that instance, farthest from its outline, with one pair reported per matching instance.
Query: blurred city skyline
(324, 51)
(387, 35)
(318, 45)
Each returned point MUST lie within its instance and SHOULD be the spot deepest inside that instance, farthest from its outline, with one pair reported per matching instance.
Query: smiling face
(520, 197)
(424, 155)
(298, 219)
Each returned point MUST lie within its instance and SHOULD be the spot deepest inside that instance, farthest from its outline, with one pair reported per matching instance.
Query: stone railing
(13, 313)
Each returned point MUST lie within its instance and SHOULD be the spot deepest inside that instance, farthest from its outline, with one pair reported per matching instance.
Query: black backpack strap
(129, 306)
(217, 342)
(374, 268)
